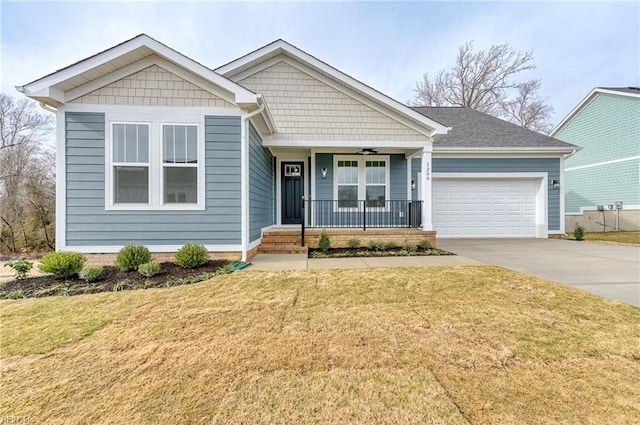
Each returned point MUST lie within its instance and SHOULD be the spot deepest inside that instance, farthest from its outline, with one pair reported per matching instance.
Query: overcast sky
(388, 45)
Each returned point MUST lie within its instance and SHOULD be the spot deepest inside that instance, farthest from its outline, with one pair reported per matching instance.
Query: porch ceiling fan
(367, 151)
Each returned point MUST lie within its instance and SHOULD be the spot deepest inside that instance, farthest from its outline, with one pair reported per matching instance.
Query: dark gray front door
(292, 191)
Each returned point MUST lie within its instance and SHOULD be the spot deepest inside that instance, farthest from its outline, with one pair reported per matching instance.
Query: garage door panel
(484, 207)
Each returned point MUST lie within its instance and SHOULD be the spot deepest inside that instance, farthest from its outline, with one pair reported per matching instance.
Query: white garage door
(484, 207)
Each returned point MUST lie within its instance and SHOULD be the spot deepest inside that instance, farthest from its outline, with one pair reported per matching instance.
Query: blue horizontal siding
(88, 223)
(261, 184)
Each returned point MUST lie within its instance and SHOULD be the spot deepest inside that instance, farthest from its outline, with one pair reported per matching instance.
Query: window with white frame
(130, 163)
(347, 184)
(359, 178)
(180, 164)
(156, 165)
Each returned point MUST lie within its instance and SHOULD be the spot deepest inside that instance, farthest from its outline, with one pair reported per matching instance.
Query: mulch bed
(112, 279)
(368, 252)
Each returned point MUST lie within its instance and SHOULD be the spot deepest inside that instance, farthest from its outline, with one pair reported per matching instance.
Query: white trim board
(599, 164)
(111, 249)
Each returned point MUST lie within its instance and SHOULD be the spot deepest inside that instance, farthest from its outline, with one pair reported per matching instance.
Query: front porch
(288, 239)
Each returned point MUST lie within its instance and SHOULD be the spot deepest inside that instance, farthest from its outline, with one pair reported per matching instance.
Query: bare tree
(484, 80)
(26, 176)
(529, 110)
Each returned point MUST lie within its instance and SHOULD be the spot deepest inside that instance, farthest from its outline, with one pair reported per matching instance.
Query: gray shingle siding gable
(261, 185)
(89, 224)
(502, 165)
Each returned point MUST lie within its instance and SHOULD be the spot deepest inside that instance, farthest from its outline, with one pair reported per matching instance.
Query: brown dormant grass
(434, 345)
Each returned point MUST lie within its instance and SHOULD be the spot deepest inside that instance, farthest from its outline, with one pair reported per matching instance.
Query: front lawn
(422, 345)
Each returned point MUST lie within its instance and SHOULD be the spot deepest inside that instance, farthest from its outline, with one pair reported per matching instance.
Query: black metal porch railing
(363, 214)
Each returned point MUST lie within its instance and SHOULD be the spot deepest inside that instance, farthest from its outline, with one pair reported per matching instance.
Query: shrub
(353, 243)
(324, 243)
(21, 267)
(149, 269)
(376, 245)
(387, 246)
(424, 245)
(410, 247)
(62, 264)
(578, 232)
(192, 255)
(131, 256)
(91, 274)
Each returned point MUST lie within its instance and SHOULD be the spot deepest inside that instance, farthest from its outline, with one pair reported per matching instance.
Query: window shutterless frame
(124, 162)
(362, 179)
(155, 161)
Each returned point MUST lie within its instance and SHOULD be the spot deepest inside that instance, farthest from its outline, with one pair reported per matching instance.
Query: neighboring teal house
(606, 124)
(158, 149)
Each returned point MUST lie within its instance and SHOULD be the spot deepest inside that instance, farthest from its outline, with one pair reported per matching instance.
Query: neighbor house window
(156, 165)
(361, 179)
(180, 164)
(131, 163)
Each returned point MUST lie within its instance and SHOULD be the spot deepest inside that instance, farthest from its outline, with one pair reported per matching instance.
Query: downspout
(562, 193)
(244, 175)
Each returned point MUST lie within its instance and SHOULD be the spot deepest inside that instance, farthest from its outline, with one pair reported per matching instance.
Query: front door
(292, 192)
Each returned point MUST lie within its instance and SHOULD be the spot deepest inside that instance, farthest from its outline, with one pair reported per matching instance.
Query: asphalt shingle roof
(474, 129)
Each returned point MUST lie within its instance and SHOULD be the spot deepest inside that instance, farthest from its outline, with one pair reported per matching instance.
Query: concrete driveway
(611, 271)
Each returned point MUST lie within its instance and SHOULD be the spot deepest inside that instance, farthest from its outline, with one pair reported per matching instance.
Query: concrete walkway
(611, 271)
(301, 262)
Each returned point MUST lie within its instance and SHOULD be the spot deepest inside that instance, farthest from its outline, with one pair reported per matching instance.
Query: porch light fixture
(413, 185)
(555, 184)
(324, 173)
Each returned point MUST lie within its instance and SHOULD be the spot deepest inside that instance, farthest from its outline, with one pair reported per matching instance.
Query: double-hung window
(156, 165)
(180, 164)
(361, 179)
(130, 163)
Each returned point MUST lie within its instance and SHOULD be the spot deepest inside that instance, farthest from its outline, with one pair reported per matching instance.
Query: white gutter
(244, 174)
(48, 107)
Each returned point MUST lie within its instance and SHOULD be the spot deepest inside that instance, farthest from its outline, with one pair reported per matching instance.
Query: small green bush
(324, 243)
(21, 267)
(131, 256)
(424, 245)
(388, 246)
(149, 269)
(410, 247)
(91, 274)
(62, 264)
(353, 243)
(192, 255)
(578, 232)
(376, 245)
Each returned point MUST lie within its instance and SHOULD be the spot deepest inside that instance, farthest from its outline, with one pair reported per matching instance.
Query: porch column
(426, 187)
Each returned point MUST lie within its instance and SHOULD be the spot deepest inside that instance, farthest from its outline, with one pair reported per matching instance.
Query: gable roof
(51, 88)
(475, 130)
(633, 92)
(235, 69)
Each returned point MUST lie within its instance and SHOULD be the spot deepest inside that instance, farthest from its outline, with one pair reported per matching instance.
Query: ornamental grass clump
(578, 232)
(149, 269)
(192, 255)
(62, 264)
(131, 256)
(91, 274)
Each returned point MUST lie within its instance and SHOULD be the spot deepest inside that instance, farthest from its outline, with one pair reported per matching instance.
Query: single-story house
(602, 183)
(158, 149)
